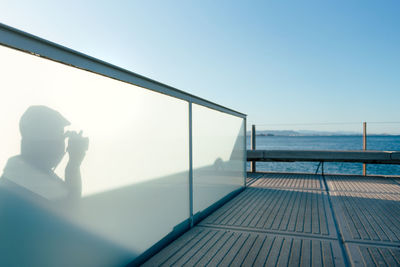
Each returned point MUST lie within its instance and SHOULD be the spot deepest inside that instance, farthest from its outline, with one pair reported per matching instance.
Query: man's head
(43, 139)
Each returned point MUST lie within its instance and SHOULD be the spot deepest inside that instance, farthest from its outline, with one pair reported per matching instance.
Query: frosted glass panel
(132, 156)
(218, 156)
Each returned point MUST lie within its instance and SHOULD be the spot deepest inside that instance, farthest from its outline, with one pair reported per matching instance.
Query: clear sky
(279, 62)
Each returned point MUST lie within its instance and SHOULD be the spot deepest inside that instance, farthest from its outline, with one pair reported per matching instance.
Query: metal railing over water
(301, 155)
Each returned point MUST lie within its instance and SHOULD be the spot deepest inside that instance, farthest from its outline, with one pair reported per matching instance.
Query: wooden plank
(264, 251)
(327, 254)
(212, 249)
(315, 223)
(289, 181)
(316, 252)
(220, 214)
(365, 255)
(252, 220)
(236, 247)
(324, 214)
(237, 212)
(197, 251)
(244, 250)
(187, 249)
(187, 240)
(222, 247)
(269, 211)
(308, 219)
(224, 250)
(245, 213)
(306, 253)
(299, 222)
(253, 252)
(273, 214)
(275, 253)
(285, 253)
(368, 216)
(370, 184)
(285, 209)
(295, 253)
(304, 212)
(294, 213)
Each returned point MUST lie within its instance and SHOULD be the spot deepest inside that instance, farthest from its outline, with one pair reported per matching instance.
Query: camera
(76, 141)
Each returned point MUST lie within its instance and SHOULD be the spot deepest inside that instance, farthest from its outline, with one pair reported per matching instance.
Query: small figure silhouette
(42, 149)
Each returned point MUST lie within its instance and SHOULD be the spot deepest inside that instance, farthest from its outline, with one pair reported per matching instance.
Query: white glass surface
(134, 174)
(218, 156)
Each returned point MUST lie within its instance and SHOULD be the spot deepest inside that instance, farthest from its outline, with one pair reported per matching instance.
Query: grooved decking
(360, 184)
(210, 247)
(374, 255)
(284, 210)
(287, 180)
(368, 217)
(294, 220)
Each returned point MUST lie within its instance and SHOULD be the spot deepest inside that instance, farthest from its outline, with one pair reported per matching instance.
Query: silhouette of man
(42, 149)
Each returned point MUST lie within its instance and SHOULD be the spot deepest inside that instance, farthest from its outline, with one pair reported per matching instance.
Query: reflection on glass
(218, 156)
(42, 148)
(134, 174)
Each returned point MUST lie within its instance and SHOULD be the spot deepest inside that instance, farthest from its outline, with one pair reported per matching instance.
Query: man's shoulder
(23, 174)
(13, 160)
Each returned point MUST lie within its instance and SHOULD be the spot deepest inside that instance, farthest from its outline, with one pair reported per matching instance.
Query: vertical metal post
(322, 168)
(245, 151)
(364, 146)
(190, 167)
(253, 147)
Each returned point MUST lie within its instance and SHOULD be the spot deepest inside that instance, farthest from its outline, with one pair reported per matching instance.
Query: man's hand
(77, 147)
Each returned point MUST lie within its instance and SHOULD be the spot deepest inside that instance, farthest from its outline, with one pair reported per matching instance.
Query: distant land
(310, 133)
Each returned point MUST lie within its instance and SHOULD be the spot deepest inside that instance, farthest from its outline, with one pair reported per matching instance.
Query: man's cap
(41, 122)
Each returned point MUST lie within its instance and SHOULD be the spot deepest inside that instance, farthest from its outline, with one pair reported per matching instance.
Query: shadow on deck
(300, 220)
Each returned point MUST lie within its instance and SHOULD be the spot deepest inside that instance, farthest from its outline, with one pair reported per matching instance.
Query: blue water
(385, 143)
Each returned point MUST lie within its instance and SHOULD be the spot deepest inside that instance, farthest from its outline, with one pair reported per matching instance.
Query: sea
(382, 143)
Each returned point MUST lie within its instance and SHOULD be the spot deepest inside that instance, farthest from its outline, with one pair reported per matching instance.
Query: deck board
(300, 211)
(371, 184)
(289, 220)
(254, 249)
(368, 216)
(362, 255)
(286, 180)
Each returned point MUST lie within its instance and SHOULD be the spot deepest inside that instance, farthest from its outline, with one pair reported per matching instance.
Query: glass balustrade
(218, 156)
(96, 170)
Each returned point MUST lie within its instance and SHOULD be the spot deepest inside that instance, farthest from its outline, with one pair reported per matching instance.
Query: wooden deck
(297, 220)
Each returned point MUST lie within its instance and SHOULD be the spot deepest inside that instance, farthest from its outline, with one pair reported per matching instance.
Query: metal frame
(191, 220)
(23, 41)
(253, 147)
(245, 151)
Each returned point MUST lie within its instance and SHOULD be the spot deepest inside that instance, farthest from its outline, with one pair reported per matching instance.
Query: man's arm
(77, 146)
(73, 180)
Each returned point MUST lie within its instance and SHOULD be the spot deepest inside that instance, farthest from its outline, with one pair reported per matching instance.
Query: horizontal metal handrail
(32, 44)
(372, 157)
